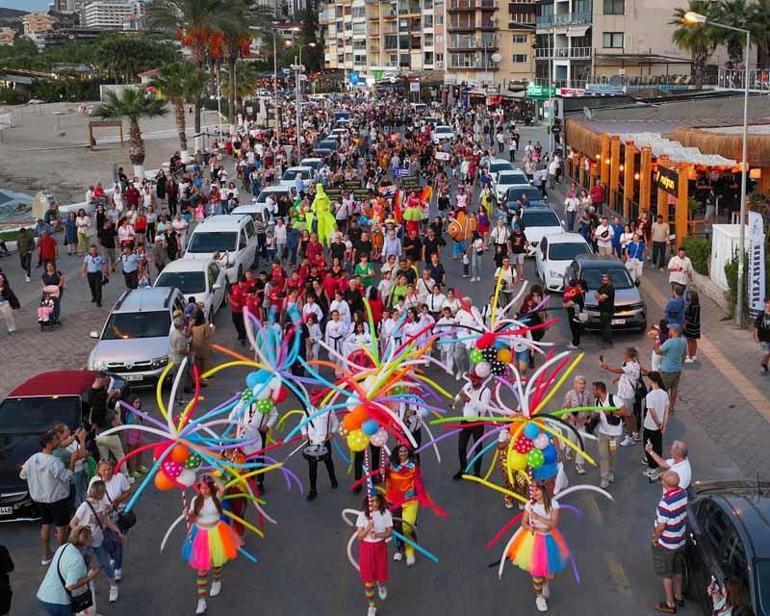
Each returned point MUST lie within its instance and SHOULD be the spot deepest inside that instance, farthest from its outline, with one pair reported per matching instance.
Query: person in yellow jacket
(322, 210)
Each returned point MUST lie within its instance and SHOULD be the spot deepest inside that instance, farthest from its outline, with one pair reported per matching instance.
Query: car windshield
(539, 219)
(443, 129)
(186, 282)
(509, 177)
(275, 194)
(514, 194)
(502, 166)
(620, 278)
(291, 174)
(38, 414)
(763, 585)
(566, 252)
(128, 325)
(213, 241)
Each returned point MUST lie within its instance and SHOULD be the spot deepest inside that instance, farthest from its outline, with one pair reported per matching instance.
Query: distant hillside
(11, 13)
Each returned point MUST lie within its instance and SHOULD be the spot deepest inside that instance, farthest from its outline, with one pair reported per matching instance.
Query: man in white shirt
(603, 235)
(468, 321)
(680, 271)
(475, 398)
(319, 433)
(678, 462)
(340, 305)
(609, 431)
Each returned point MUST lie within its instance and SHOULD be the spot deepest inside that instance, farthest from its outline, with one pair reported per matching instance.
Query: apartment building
(472, 44)
(7, 36)
(35, 23)
(583, 41)
(110, 14)
(516, 35)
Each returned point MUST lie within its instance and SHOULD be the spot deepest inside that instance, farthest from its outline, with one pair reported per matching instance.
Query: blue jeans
(78, 488)
(476, 265)
(104, 561)
(570, 221)
(458, 248)
(56, 609)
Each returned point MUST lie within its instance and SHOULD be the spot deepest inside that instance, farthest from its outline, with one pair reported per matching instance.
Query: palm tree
(759, 24)
(180, 82)
(131, 105)
(735, 13)
(246, 81)
(698, 39)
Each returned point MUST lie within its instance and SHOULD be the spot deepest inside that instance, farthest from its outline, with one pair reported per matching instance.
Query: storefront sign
(414, 86)
(603, 89)
(668, 180)
(537, 91)
(756, 241)
(571, 92)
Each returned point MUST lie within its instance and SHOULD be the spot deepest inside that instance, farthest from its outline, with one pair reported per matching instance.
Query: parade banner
(756, 254)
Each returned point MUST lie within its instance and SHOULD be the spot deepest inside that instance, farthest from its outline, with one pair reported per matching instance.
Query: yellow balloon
(357, 440)
(517, 461)
(505, 356)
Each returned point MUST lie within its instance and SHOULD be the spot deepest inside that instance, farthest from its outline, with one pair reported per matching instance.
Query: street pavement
(302, 565)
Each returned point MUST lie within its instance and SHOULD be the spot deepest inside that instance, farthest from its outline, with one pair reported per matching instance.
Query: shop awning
(675, 151)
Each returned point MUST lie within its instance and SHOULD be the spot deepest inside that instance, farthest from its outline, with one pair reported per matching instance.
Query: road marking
(618, 574)
(726, 368)
(592, 508)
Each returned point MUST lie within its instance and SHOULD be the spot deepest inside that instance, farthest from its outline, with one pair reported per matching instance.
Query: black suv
(728, 525)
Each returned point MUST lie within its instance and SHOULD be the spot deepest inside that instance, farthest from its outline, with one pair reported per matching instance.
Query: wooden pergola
(92, 124)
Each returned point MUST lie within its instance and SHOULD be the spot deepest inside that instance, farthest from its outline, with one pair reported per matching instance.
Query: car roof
(187, 265)
(500, 160)
(276, 188)
(298, 169)
(588, 261)
(312, 159)
(55, 383)
(565, 238)
(148, 299)
(220, 222)
(442, 126)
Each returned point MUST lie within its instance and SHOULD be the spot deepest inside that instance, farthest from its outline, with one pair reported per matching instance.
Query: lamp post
(298, 97)
(692, 18)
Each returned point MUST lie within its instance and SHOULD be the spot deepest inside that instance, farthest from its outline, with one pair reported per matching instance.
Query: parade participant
(322, 210)
(577, 397)
(211, 542)
(253, 426)
(538, 547)
(374, 525)
(573, 300)
(319, 432)
(335, 334)
(475, 398)
(519, 485)
(610, 429)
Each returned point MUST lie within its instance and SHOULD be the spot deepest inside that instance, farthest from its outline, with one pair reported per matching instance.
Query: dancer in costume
(375, 525)
(211, 542)
(319, 432)
(537, 546)
(322, 209)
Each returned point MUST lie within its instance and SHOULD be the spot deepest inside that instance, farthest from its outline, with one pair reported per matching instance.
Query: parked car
(234, 235)
(554, 254)
(329, 143)
(534, 197)
(133, 343)
(630, 311)
(314, 163)
(728, 525)
(442, 132)
(202, 279)
(276, 191)
(323, 153)
(507, 179)
(497, 165)
(30, 410)
(537, 223)
(289, 177)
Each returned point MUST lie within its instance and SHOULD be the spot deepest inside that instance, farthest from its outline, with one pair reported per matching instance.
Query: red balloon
(486, 340)
(281, 394)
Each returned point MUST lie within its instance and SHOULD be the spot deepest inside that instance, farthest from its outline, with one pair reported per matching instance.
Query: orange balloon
(349, 422)
(356, 417)
(505, 356)
(163, 482)
(179, 454)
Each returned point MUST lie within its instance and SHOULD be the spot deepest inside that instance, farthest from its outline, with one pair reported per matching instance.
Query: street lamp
(692, 18)
(298, 97)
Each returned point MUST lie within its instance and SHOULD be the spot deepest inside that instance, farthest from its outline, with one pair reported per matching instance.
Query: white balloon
(379, 438)
(186, 477)
(542, 441)
(483, 369)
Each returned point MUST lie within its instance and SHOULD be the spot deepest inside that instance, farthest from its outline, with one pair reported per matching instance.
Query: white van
(234, 235)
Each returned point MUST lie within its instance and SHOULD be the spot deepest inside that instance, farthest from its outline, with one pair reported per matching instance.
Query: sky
(25, 5)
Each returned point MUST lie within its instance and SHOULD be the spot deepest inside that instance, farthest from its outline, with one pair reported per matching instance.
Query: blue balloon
(257, 378)
(370, 427)
(531, 431)
(500, 344)
(549, 454)
(546, 471)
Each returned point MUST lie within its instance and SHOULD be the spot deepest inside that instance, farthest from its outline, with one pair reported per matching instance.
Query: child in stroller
(45, 312)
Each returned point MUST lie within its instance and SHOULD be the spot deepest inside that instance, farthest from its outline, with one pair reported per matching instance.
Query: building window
(439, 20)
(428, 57)
(519, 58)
(427, 4)
(614, 7)
(428, 40)
(612, 40)
(439, 39)
(520, 38)
(427, 21)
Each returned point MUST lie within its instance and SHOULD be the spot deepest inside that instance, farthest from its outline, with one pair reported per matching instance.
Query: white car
(202, 279)
(275, 191)
(314, 163)
(234, 236)
(289, 177)
(554, 254)
(497, 165)
(539, 222)
(506, 179)
(442, 132)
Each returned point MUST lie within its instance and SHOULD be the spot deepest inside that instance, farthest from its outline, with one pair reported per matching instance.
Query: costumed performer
(537, 546)
(322, 209)
(519, 485)
(319, 432)
(211, 542)
(374, 526)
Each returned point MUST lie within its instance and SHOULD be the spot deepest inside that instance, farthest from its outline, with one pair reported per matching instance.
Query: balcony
(563, 19)
(460, 42)
(470, 5)
(461, 22)
(471, 62)
(564, 53)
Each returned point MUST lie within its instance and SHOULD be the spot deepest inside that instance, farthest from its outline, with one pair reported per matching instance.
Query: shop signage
(353, 78)
(537, 91)
(668, 180)
(414, 86)
(603, 89)
(756, 241)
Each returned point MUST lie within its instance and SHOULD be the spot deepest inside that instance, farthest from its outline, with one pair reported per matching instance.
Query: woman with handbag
(574, 302)
(116, 492)
(64, 589)
(104, 533)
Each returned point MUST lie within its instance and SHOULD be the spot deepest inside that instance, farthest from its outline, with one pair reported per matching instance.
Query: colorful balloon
(517, 461)
(357, 440)
(370, 427)
(186, 478)
(486, 340)
(505, 356)
(476, 356)
(280, 394)
(550, 454)
(531, 431)
(179, 454)
(523, 444)
(193, 461)
(163, 482)
(380, 438)
(265, 406)
(542, 441)
(257, 378)
(535, 458)
(483, 369)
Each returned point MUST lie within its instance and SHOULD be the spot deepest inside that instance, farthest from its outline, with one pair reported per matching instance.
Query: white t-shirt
(657, 401)
(117, 484)
(604, 426)
(382, 521)
(628, 380)
(683, 470)
(601, 240)
(85, 514)
(683, 276)
(539, 509)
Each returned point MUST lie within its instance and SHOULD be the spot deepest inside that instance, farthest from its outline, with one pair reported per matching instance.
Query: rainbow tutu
(542, 555)
(210, 547)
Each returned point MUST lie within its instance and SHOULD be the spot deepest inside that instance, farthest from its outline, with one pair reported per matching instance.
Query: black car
(728, 525)
(534, 197)
(30, 410)
(630, 310)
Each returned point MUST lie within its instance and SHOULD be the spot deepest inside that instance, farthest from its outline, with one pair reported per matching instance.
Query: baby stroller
(46, 311)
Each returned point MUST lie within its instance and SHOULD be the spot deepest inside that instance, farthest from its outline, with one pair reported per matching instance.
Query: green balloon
(535, 458)
(476, 356)
(264, 406)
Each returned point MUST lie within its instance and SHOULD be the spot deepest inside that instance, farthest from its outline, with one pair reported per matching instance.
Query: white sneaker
(114, 592)
(627, 441)
(541, 603)
(201, 607)
(216, 588)
(372, 611)
(382, 591)
(689, 360)
(118, 575)
(604, 484)
(46, 561)
(572, 347)
(398, 556)
(580, 470)
(611, 478)
(27, 279)
(508, 505)
(410, 560)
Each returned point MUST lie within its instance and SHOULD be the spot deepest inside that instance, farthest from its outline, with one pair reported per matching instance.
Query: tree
(131, 105)
(180, 82)
(247, 78)
(759, 24)
(698, 39)
(124, 57)
(312, 55)
(736, 13)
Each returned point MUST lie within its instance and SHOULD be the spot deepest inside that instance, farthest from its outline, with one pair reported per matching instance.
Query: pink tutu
(208, 547)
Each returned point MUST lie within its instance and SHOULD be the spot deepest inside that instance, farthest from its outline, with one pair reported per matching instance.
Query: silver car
(134, 341)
